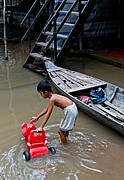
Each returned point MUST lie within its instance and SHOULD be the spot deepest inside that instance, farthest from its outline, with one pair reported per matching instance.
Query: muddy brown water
(93, 152)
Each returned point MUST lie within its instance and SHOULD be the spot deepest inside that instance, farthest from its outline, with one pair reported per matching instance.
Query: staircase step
(66, 24)
(62, 36)
(43, 44)
(73, 12)
(84, 2)
(38, 56)
(48, 33)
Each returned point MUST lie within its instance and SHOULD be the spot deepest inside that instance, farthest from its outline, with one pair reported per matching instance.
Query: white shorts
(68, 121)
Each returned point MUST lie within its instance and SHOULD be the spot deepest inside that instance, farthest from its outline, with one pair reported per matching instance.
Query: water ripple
(74, 160)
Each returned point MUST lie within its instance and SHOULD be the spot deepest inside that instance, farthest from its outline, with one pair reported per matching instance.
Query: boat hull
(110, 116)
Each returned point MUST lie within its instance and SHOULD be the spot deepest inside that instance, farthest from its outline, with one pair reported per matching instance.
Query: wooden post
(4, 22)
(81, 27)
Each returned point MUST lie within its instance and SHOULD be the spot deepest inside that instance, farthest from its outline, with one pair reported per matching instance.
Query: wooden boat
(74, 84)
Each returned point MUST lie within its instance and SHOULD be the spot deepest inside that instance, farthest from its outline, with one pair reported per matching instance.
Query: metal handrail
(57, 30)
(35, 19)
(29, 12)
(55, 11)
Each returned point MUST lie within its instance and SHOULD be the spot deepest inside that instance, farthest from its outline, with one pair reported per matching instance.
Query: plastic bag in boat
(84, 99)
(98, 95)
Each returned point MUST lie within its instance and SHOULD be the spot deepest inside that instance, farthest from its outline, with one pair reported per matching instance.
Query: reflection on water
(93, 152)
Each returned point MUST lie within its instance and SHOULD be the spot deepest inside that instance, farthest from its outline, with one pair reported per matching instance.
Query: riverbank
(113, 56)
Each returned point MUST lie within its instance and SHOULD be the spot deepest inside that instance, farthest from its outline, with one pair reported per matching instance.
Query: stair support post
(55, 38)
(4, 21)
(80, 27)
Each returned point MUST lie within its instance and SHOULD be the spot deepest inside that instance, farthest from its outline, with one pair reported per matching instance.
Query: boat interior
(112, 104)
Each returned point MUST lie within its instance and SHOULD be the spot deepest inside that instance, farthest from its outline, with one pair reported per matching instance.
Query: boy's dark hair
(44, 86)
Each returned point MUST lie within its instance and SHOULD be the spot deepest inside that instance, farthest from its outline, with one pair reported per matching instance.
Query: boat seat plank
(66, 80)
(120, 117)
(74, 74)
(84, 88)
(60, 83)
(68, 86)
(81, 78)
(75, 80)
(71, 83)
(72, 80)
(78, 75)
(85, 81)
(114, 107)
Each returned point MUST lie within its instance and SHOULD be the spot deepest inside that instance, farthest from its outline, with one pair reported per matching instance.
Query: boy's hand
(39, 129)
(34, 119)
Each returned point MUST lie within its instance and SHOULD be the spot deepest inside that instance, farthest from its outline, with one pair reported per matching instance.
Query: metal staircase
(1, 11)
(64, 23)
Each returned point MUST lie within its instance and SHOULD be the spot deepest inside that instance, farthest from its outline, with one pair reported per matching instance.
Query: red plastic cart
(36, 142)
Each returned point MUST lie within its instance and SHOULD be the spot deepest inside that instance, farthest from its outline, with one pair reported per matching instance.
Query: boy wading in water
(69, 109)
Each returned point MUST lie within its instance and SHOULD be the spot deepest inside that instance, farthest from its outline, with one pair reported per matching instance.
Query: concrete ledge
(107, 60)
(91, 54)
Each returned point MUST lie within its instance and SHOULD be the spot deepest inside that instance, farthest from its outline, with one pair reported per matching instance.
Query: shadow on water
(93, 151)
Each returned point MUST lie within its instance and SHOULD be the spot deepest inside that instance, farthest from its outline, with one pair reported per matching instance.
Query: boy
(69, 108)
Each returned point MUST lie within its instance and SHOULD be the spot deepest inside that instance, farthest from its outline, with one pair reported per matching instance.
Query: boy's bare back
(60, 101)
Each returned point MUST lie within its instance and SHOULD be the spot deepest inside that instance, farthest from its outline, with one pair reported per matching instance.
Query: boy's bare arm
(42, 113)
(35, 118)
(48, 113)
